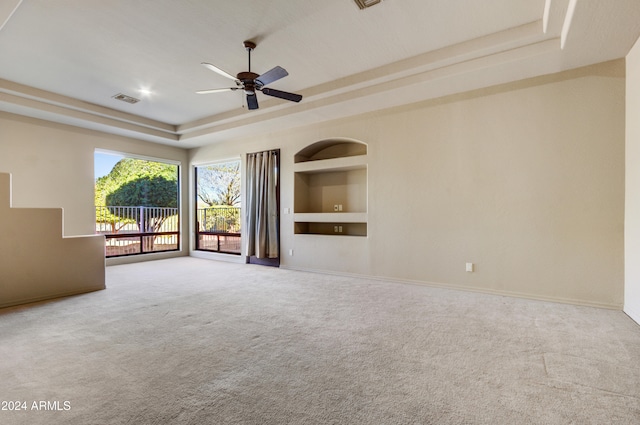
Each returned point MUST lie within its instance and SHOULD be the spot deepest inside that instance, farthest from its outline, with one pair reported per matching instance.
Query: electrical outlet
(339, 207)
(339, 229)
(335, 229)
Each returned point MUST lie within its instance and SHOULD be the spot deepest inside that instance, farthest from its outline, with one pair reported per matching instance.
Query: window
(218, 217)
(136, 204)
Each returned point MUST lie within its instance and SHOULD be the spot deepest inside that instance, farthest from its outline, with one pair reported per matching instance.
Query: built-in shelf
(332, 165)
(330, 229)
(331, 217)
(330, 184)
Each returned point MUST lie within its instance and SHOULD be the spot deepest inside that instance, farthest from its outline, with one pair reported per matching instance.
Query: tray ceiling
(66, 60)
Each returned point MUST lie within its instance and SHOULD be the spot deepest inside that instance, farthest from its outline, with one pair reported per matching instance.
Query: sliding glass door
(218, 207)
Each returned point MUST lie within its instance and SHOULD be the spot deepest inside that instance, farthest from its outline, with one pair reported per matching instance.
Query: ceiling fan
(250, 81)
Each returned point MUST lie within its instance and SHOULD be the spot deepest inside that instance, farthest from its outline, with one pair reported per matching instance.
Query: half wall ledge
(37, 262)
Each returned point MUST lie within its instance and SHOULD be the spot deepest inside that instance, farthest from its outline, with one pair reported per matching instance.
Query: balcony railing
(138, 230)
(218, 229)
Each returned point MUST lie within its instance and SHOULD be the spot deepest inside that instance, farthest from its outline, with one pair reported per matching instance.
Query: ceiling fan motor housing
(249, 83)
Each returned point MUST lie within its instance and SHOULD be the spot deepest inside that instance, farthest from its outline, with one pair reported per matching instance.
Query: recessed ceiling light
(125, 98)
(363, 4)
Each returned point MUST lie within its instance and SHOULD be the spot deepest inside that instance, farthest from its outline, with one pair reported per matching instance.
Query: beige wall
(632, 185)
(525, 180)
(36, 262)
(52, 165)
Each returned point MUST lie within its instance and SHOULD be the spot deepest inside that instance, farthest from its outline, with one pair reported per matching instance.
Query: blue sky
(104, 162)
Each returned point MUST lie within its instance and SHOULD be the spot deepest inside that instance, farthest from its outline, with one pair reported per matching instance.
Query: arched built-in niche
(330, 149)
(330, 187)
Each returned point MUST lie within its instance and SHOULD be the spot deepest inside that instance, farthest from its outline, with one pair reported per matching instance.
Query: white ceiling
(64, 60)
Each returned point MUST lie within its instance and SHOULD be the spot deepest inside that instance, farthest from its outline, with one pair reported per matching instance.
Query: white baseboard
(51, 296)
(534, 297)
(150, 256)
(229, 258)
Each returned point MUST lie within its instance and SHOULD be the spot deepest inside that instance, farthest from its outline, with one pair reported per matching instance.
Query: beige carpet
(191, 341)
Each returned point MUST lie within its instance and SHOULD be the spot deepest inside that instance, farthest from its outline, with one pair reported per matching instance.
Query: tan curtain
(261, 214)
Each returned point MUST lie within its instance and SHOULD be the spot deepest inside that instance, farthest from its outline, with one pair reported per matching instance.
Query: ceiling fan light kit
(249, 81)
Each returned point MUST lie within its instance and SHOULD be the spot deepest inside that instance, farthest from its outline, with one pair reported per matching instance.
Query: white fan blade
(216, 90)
(219, 71)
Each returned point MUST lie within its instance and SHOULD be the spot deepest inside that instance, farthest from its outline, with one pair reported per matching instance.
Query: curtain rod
(268, 150)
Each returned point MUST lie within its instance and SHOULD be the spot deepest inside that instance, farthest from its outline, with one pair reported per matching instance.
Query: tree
(138, 183)
(145, 191)
(220, 184)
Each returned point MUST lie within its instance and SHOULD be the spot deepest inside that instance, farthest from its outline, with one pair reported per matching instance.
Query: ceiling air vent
(125, 98)
(363, 4)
